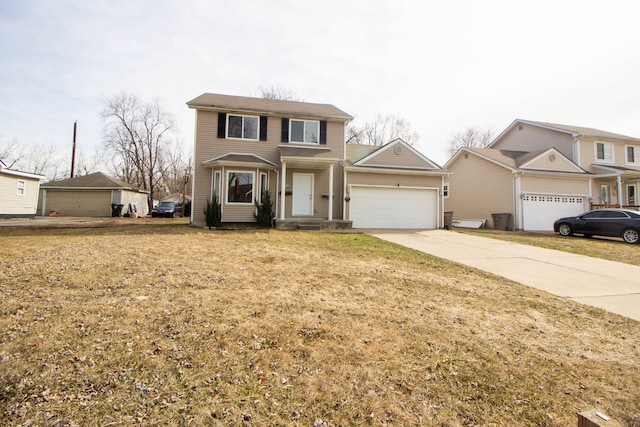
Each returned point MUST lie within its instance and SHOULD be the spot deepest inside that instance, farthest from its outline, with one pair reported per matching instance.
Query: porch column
(619, 184)
(283, 186)
(331, 192)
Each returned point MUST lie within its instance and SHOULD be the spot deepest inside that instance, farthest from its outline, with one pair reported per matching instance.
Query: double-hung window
(20, 188)
(242, 127)
(305, 131)
(604, 152)
(632, 155)
(240, 187)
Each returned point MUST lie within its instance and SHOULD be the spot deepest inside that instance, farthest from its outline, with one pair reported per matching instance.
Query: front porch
(312, 224)
(614, 206)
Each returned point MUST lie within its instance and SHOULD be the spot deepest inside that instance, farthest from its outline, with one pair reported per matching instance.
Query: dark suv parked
(168, 209)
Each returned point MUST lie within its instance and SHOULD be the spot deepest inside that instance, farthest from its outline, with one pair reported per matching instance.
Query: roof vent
(552, 157)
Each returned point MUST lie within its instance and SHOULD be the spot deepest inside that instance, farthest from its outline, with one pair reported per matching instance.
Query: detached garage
(393, 186)
(91, 195)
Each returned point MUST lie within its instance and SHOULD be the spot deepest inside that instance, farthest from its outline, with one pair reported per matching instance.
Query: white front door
(302, 194)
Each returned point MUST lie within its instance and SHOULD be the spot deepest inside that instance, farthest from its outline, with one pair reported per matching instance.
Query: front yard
(162, 324)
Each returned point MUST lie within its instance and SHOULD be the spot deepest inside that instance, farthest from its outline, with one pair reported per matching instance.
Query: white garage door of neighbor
(540, 211)
(384, 207)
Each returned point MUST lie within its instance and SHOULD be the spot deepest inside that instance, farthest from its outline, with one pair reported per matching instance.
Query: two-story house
(538, 172)
(297, 151)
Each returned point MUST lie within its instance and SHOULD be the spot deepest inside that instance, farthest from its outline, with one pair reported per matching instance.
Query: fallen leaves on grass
(180, 326)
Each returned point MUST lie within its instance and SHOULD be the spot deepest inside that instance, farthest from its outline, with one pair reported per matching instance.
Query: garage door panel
(382, 207)
(80, 203)
(540, 211)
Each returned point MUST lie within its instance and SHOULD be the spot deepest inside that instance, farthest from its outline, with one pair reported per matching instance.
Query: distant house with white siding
(18, 193)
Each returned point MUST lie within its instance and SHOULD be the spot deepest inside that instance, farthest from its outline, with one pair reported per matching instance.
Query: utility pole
(73, 154)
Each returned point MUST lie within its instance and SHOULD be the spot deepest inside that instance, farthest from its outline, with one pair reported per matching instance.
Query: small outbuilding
(93, 195)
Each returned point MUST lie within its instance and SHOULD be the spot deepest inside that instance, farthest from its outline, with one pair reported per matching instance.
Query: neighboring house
(297, 151)
(91, 195)
(538, 172)
(18, 193)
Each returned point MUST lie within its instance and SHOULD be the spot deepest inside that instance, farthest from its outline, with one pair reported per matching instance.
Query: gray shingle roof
(583, 131)
(268, 106)
(97, 180)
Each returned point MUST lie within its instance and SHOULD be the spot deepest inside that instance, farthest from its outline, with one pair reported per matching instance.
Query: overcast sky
(441, 65)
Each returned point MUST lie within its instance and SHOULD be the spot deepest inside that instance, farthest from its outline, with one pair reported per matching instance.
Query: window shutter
(263, 128)
(285, 130)
(323, 132)
(222, 125)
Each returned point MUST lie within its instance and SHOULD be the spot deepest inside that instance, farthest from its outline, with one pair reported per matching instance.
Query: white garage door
(383, 207)
(540, 211)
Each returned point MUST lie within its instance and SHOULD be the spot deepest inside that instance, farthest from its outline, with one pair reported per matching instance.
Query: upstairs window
(604, 152)
(20, 188)
(305, 131)
(242, 127)
(633, 155)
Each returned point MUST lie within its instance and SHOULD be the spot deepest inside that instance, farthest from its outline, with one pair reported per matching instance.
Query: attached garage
(539, 211)
(392, 207)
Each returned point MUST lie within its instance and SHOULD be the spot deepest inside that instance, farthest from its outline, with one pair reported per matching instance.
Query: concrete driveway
(609, 285)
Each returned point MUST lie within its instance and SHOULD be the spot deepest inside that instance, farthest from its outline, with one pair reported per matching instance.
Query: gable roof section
(94, 181)
(407, 157)
(239, 159)
(574, 131)
(522, 160)
(264, 106)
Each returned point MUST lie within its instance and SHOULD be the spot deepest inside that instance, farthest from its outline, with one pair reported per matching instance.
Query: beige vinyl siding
(209, 146)
(13, 204)
(131, 197)
(545, 162)
(588, 154)
(524, 137)
(478, 188)
(390, 180)
(367, 178)
(79, 203)
(561, 186)
(388, 157)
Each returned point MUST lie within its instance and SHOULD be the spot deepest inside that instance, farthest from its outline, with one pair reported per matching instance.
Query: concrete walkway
(609, 285)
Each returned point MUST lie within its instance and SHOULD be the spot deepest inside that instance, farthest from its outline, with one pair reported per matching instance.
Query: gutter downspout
(331, 192)
(518, 203)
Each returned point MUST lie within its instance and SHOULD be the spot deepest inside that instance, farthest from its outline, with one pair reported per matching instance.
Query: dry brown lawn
(164, 324)
(599, 247)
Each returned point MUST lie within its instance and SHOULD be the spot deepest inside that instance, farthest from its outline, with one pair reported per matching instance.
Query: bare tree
(278, 92)
(33, 158)
(177, 173)
(471, 137)
(381, 130)
(139, 133)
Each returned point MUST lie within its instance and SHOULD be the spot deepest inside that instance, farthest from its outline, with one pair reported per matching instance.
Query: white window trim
(21, 185)
(605, 160)
(243, 117)
(264, 177)
(317, 122)
(253, 189)
(636, 155)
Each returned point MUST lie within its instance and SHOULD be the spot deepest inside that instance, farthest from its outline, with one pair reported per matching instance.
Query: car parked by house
(168, 209)
(621, 223)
